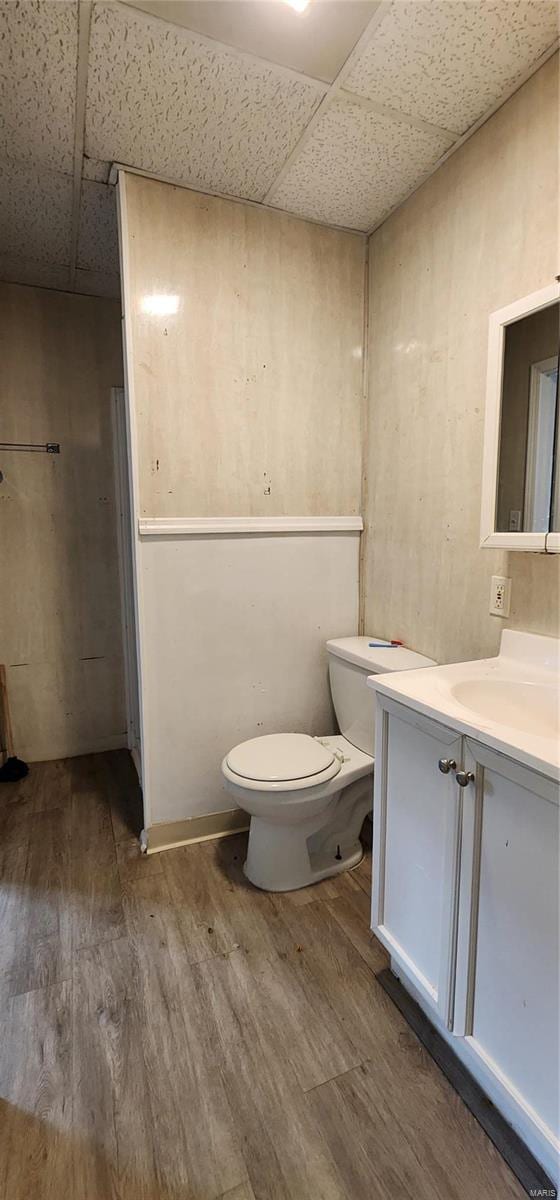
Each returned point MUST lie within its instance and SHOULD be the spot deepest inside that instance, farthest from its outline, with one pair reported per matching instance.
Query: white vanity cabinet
(507, 979)
(466, 900)
(416, 841)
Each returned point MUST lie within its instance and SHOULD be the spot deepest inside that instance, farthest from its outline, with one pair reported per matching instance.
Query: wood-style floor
(168, 1031)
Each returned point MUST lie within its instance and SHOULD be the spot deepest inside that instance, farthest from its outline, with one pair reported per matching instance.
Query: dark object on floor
(512, 1149)
(14, 768)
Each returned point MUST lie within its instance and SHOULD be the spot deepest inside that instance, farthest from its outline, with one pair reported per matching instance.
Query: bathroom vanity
(465, 870)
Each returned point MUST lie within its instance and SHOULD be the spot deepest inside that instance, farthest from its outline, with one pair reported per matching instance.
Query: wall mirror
(521, 472)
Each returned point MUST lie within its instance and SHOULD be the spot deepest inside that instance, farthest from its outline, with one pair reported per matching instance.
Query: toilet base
(284, 858)
(315, 872)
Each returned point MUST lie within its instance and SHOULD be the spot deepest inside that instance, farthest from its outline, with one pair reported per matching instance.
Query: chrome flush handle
(464, 778)
(446, 765)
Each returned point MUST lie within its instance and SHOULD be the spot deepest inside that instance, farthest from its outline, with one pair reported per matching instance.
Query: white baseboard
(169, 834)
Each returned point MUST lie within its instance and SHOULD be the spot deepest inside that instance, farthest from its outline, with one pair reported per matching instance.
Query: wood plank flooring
(170, 1032)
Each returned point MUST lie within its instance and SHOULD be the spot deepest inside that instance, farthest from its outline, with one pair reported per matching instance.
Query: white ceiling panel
(35, 213)
(316, 41)
(224, 96)
(356, 166)
(98, 242)
(38, 50)
(161, 99)
(450, 61)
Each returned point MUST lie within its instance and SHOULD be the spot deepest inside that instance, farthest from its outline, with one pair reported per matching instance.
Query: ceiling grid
(336, 115)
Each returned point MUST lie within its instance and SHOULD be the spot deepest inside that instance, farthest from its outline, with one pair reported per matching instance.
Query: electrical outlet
(500, 596)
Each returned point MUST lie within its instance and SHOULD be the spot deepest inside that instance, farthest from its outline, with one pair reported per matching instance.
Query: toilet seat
(281, 762)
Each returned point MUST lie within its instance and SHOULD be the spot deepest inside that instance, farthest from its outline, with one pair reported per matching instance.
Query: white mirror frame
(499, 320)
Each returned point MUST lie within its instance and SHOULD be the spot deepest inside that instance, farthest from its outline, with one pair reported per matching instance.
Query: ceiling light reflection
(160, 305)
(299, 6)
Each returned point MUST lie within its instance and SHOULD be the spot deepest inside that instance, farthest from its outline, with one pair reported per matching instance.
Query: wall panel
(60, 627)
(248, 396)
(234, 647)
(244, 402)
(482, 232)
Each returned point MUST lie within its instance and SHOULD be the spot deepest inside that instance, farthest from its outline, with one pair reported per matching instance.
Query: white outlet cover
(500, 596)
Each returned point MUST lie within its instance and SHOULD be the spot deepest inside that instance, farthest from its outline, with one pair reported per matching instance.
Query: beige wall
(60, 631)
(246, 402)
(482, 232)
(248, 399)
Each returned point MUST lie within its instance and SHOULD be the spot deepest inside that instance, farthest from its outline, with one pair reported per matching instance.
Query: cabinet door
(416, 848)
(508, 957)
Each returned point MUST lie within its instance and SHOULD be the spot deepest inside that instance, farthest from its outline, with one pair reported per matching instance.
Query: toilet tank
(351, 660)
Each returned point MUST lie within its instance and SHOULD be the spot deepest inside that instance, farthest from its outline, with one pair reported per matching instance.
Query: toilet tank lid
(377, 660)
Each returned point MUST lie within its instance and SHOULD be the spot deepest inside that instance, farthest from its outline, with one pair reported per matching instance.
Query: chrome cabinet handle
(464, 778)
(446, 765)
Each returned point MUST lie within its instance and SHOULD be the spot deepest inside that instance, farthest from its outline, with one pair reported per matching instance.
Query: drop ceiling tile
(23, 270)
(35, 213)
(163, 100)
(98, 283)
(356, 166)
(98, 243)
(38, 53)
(316, 41)
(450, 62)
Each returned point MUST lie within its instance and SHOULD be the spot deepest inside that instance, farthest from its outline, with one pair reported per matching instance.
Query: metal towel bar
(34, 447)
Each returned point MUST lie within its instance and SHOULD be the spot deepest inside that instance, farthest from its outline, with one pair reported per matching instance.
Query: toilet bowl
(300, 832)
(308, 796)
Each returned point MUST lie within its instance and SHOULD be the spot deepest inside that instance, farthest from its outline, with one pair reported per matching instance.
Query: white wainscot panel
(233, 646)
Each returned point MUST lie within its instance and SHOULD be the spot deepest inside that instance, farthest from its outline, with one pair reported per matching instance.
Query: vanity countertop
(510, 703)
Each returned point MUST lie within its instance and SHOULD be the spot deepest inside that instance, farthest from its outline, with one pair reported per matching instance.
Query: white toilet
(308, 796)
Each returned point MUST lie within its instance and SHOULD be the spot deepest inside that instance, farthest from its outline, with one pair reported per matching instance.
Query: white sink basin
(532, 707)
(510, 703)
